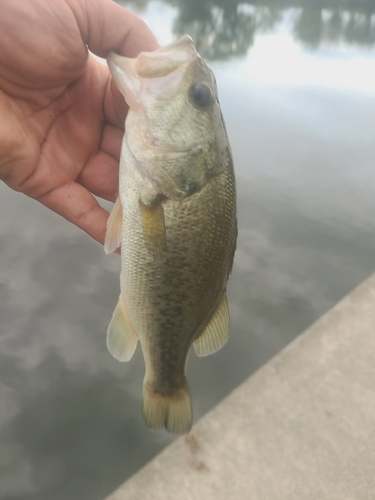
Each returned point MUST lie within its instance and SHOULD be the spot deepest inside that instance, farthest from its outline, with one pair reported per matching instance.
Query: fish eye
(200, 94)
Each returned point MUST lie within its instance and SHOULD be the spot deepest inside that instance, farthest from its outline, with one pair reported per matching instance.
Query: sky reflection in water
(297, 88)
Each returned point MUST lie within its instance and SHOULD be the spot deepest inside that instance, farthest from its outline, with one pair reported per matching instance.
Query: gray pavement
(302, 427)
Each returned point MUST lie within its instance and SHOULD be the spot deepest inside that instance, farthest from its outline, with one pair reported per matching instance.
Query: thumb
(106, 26)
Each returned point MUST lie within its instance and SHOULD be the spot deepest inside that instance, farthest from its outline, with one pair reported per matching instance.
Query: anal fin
(121, 338)
(114, 228)
(153, 226)
(215, 335)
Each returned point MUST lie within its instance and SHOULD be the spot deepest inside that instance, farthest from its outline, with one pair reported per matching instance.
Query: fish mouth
(161, 62)
(166, 60)
(157, 69)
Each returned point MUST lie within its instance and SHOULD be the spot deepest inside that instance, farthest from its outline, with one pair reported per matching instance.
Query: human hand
(61, 118)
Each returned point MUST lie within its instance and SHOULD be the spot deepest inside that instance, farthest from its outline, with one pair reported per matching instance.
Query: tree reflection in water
(219, 31)
(226, 28)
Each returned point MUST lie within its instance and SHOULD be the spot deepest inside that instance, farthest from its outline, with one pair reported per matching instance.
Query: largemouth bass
(175, 220)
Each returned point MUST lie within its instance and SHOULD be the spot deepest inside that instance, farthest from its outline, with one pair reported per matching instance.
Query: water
(297, 87)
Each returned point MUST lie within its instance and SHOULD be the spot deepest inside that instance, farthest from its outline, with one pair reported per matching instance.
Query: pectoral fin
(215, 335)
(153, 226)
(121, 338)
(114, 228)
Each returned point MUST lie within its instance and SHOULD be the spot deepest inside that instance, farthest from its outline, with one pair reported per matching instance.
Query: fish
(175, 221)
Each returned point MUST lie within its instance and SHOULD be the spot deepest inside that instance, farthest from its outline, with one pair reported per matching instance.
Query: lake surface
(297, 87)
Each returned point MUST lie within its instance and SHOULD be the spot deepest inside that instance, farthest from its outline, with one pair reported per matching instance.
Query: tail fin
(172, 412)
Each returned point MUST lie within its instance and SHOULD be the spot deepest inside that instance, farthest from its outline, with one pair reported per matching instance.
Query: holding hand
(61, 119)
